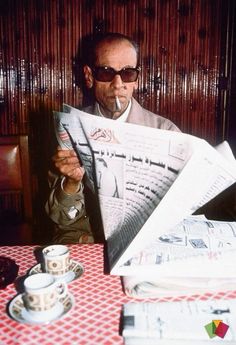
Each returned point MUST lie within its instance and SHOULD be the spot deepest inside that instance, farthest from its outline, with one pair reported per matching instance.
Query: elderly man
(113, 75)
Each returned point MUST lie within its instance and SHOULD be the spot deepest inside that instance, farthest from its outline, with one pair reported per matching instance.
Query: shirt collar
(122, 118)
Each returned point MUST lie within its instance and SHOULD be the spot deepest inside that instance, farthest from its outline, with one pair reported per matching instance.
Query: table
(95, 317)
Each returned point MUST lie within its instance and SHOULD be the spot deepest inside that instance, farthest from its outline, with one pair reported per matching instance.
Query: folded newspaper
(179, 323)
(149, 181)
(196, 256)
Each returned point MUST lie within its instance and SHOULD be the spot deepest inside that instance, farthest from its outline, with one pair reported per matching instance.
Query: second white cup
(56, 259)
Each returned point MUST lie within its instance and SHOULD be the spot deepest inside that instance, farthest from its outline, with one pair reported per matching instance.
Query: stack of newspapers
(149, 183)
(179, 323)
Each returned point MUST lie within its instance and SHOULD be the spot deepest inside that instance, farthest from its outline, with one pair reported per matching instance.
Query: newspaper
(193, 243)
(196, 256)
(177, 323)
(148, 180)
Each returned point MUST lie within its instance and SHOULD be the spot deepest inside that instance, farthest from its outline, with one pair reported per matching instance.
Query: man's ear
(88, 76)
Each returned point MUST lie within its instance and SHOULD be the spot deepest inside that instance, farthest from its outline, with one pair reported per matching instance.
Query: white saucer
(76, 270)
(18, 312)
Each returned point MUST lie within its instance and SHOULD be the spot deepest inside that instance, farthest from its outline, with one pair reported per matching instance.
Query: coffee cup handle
(61, 288)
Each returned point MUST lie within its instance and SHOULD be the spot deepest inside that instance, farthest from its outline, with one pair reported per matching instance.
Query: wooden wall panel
(40, 49)
(180, 52)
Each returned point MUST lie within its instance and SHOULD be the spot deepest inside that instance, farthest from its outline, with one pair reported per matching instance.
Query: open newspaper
(148, 180)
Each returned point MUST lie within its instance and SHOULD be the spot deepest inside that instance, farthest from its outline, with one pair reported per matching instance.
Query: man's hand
(67, 163)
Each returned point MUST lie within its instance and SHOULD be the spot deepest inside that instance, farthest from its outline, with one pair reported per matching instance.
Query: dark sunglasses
(107, 74)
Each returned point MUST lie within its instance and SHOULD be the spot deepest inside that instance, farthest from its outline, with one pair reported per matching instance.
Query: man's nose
(117, 81)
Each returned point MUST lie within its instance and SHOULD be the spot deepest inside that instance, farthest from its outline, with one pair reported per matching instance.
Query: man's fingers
(68, 169)
(76, 174)
(61, 154)
(67, 163)
(65, 159)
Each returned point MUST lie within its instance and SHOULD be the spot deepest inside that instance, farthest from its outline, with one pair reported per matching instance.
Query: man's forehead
(110, 45)
(115, 50)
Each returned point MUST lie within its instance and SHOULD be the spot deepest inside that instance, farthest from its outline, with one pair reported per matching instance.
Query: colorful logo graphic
(216, 328)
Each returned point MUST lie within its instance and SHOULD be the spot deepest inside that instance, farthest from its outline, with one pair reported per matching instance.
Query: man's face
(116, 55)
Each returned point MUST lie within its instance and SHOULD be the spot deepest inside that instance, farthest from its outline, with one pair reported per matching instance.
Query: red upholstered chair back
(15, 189)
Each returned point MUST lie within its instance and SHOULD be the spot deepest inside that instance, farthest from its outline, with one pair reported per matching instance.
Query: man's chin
(111, 113)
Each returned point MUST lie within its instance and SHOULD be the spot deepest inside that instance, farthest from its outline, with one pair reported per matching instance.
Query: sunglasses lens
(104, 74)
(129, 75)
(107, 74)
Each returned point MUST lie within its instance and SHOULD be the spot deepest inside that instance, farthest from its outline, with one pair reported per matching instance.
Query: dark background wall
(187, 60)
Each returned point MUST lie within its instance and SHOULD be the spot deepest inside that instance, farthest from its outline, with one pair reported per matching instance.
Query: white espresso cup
(56, 259)
(41, 296)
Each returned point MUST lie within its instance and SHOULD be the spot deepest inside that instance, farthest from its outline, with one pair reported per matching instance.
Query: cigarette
(118, 105)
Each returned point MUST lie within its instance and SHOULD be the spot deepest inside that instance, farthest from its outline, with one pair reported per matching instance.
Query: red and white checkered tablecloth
(95, 317)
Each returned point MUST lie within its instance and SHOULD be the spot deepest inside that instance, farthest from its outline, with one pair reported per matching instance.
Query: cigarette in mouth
(118, 105)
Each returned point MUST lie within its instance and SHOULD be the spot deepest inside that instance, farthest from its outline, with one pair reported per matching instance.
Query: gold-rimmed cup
(42, 292)
(56, 259)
